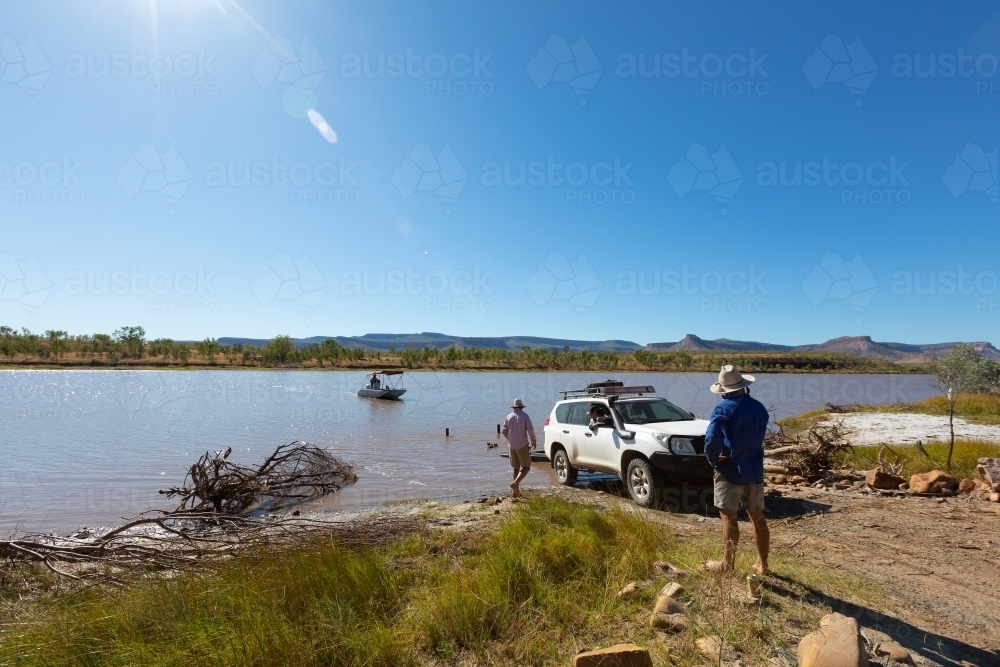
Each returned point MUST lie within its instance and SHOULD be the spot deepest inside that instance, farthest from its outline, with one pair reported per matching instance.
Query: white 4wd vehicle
(647, 441)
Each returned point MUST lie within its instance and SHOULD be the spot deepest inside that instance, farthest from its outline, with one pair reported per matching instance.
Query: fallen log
(777, 470)
(780, 451)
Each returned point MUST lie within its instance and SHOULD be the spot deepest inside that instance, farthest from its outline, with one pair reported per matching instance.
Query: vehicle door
(576, 432)
(603, 448)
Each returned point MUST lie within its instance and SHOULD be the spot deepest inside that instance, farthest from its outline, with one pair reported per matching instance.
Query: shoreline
(55, 366)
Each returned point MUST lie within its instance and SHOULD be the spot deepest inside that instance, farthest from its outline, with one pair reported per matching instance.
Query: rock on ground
(895, 652)
(628, 590)
(666, 569)
(669, 622)
(837, 643)
(935, 481)
(667, 605)
(620, 655)
(989, 471)
(880, 479)
(672, 590)
(711, 646)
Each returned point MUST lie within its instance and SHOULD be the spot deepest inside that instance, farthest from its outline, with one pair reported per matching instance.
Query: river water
(87, 447)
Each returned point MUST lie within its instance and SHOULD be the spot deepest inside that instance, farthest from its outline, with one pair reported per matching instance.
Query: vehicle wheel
(565, 472)
(645, 483)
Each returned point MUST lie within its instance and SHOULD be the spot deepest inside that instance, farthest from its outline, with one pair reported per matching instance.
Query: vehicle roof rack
(620, 390)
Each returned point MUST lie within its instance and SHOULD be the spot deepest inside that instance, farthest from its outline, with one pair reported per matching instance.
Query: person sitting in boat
(375, 384)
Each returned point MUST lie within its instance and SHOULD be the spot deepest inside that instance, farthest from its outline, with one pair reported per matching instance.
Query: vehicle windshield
(651, 412)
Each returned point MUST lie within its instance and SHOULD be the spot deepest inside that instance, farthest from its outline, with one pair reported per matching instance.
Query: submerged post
(447, 433)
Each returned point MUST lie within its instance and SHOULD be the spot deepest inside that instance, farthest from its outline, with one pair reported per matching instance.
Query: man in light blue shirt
(734, 446)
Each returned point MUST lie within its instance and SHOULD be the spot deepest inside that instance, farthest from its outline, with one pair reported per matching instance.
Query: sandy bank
(872, 428)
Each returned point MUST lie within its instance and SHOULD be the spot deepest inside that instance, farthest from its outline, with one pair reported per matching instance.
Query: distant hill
(862, 346)
(692, 343)
(382, 341)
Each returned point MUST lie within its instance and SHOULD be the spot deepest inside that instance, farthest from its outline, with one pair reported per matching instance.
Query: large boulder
(837, 643)
(881, 479)
(989, 472)
(620, 655)
(935, 481)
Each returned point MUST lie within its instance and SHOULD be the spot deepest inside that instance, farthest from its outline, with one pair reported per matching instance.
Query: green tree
(963, 371)
(132, 340)
(58, 342)
(208, 348)
(279, 350)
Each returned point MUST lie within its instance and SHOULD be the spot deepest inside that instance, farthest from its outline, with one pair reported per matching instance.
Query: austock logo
(734, 75)
(558, 279)
(23, 64)
(148, 170)
(283, 62)
(559, 62)
(700, 171)
(23, 281)
(974, 170)
(835, 62)
(423, 170)
(283, 279)
(833, 279)
(458, 75)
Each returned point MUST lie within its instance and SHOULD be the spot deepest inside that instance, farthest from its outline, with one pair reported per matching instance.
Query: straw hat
(730, 379)
(518, 403)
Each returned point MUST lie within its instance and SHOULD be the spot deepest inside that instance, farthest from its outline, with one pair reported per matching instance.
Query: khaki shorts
(520, 458)
(728, 496)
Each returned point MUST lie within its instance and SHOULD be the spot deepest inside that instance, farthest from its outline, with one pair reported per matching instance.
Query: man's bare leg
(731, 539)
(761, 538)
(519, 476)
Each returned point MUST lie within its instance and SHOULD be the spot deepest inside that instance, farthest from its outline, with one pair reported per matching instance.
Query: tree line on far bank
(129, 347)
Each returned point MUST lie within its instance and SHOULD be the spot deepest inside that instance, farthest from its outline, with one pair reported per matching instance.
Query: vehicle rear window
(578, 415)
(562, 413)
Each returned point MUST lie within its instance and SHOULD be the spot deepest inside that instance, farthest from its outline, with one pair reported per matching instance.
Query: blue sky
(159, 167)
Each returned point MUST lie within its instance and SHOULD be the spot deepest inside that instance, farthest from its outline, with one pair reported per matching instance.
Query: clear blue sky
(571, 169)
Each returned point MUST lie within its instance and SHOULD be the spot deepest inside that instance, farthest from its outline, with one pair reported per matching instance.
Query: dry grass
(534, 588)
(931, 456)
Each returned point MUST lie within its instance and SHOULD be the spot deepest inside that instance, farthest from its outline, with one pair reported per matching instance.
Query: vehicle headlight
(677, 444)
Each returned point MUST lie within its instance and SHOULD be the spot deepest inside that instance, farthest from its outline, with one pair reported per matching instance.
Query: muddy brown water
(85, 447)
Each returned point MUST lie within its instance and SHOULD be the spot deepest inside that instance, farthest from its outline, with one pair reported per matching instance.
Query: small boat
(383, 384)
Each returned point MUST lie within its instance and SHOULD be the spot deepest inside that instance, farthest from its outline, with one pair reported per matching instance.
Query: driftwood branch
(811, 454)
(222, 510)
(294, 473)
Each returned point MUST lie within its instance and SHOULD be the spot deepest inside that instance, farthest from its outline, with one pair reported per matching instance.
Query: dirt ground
(939, 558)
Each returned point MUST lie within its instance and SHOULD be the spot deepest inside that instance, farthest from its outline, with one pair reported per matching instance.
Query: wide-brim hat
(730, 379)
(518, 403)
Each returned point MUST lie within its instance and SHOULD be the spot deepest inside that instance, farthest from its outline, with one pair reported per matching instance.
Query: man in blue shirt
(734, 446)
